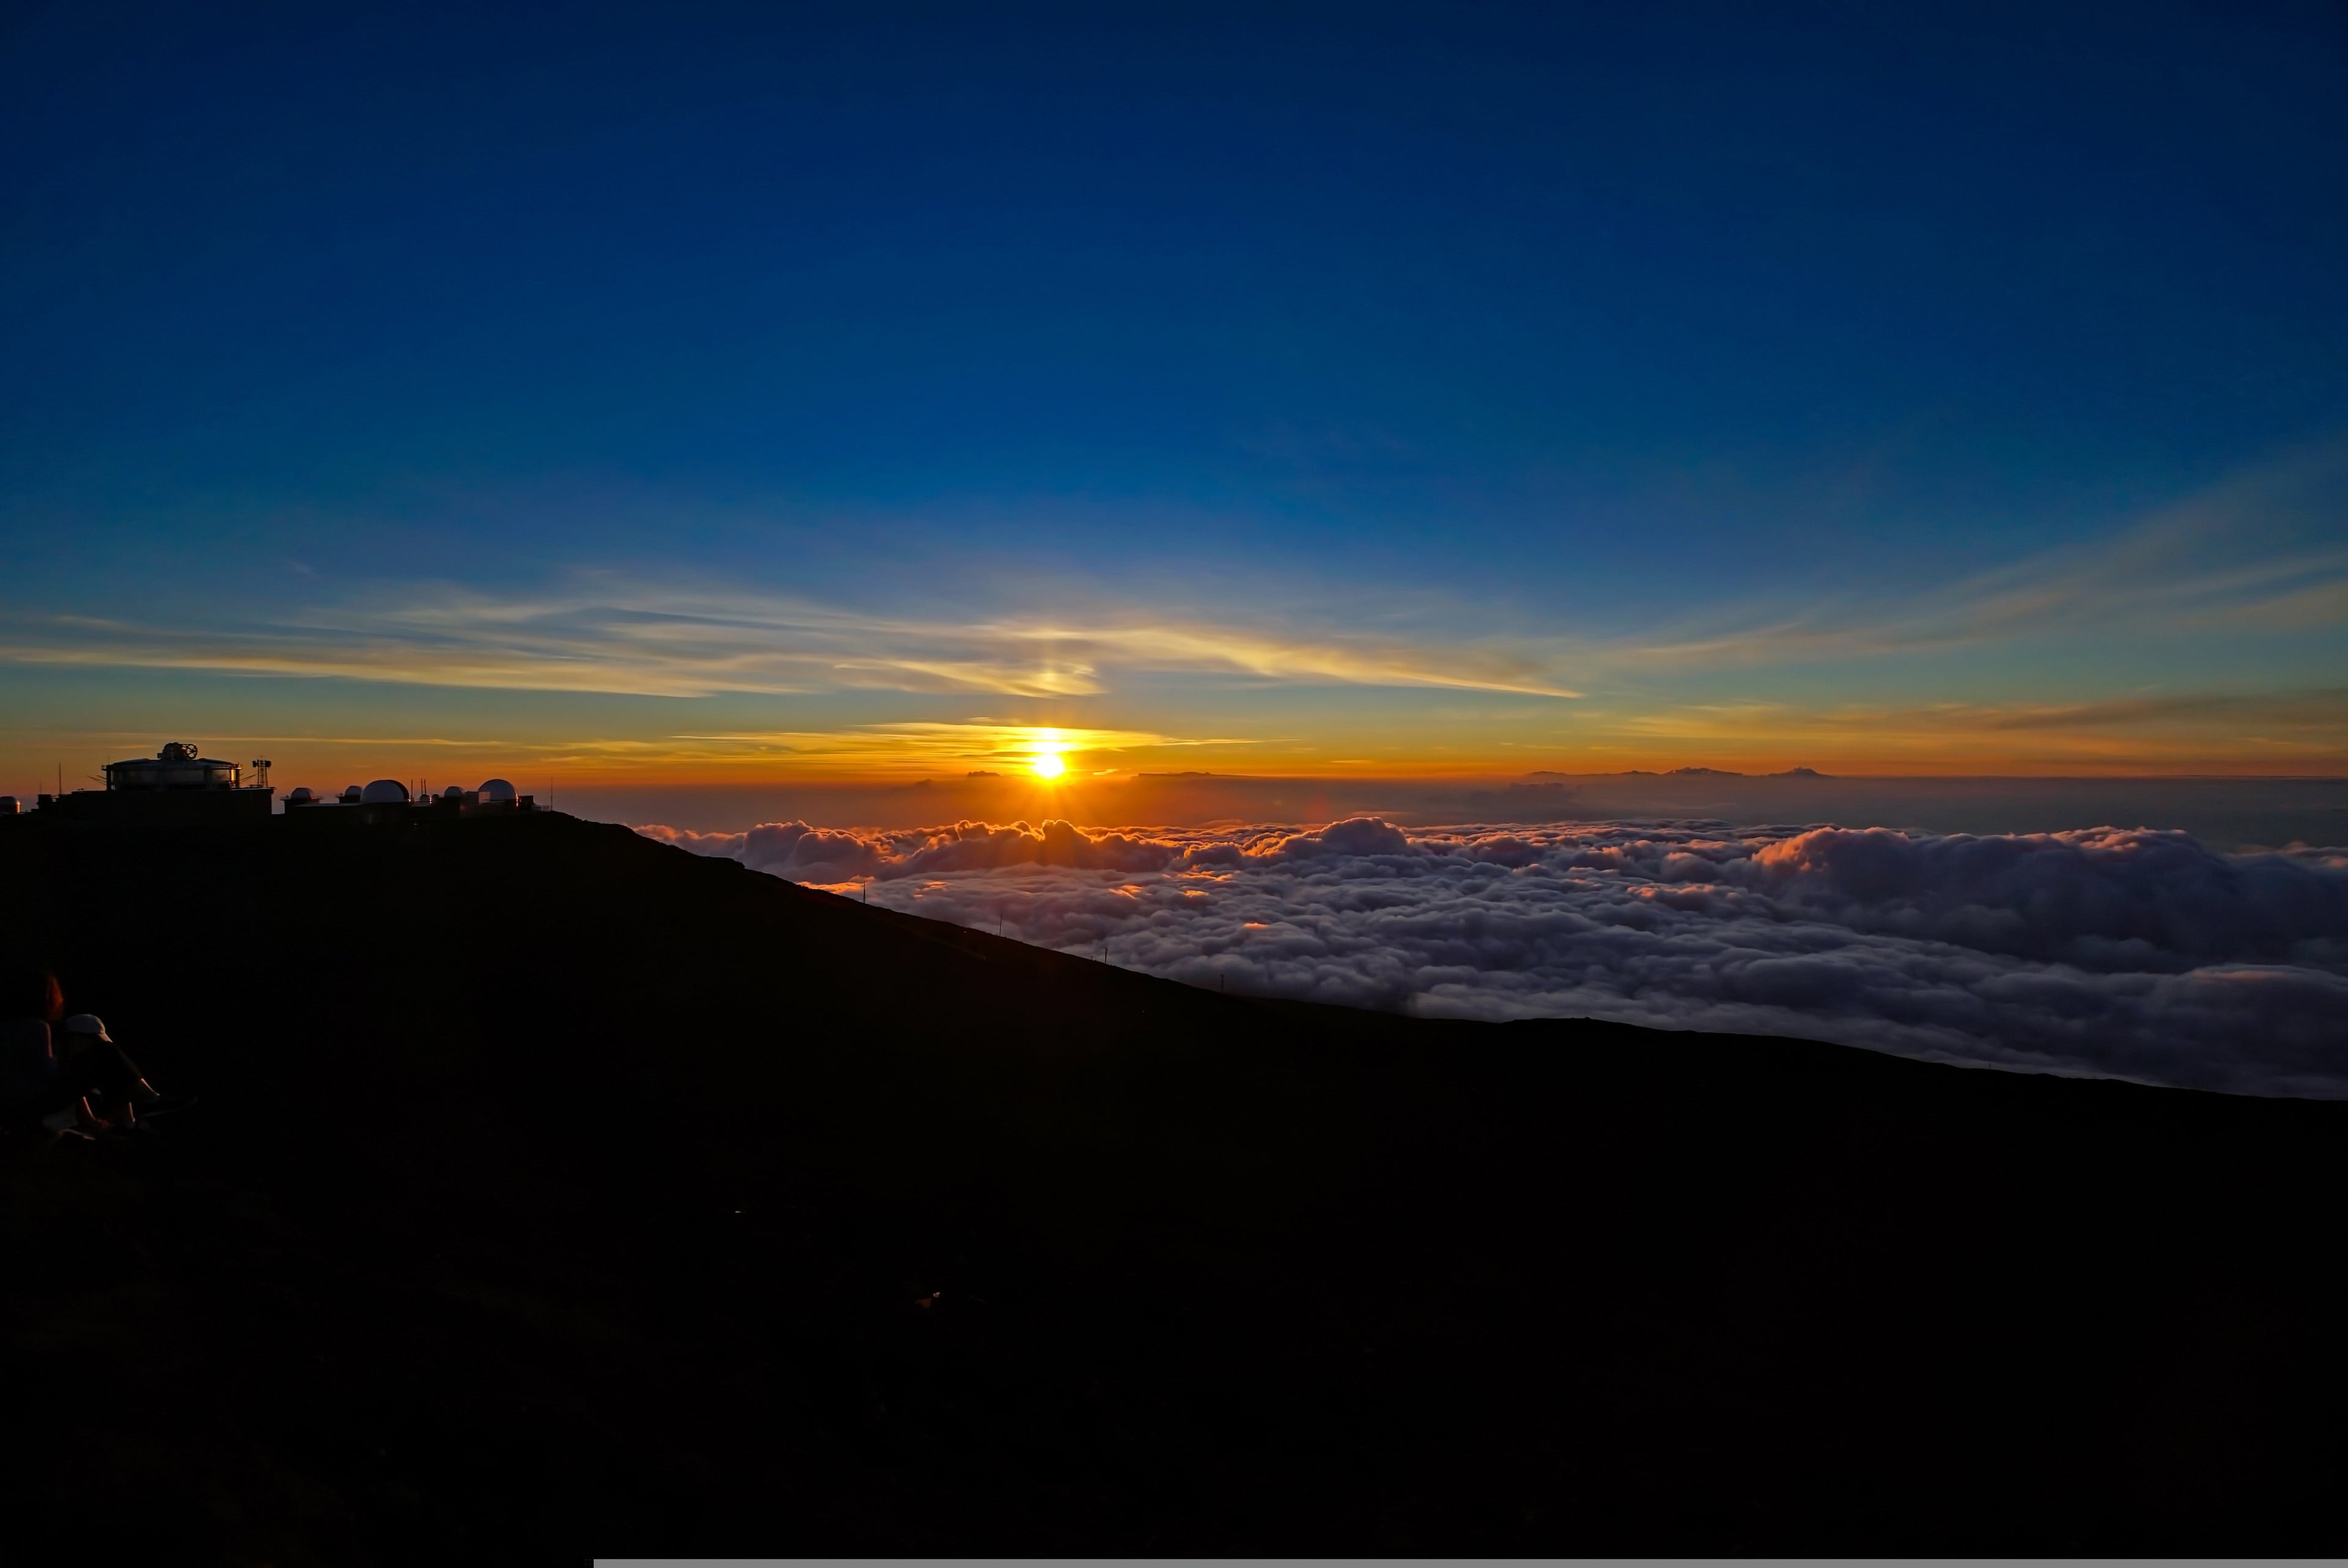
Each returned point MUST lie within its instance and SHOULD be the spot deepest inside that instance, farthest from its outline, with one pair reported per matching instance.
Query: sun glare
(1049, 766)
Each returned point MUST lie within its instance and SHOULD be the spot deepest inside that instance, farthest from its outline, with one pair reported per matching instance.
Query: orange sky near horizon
(1966, 743)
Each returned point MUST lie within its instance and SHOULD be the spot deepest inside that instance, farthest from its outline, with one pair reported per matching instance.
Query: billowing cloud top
(2133, 953)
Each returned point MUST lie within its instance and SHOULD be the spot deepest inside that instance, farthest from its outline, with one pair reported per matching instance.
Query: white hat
(88, 1023)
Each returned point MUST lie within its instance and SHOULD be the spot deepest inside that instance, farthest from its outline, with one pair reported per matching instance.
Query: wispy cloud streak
(2262, 555)
(2265, 550)
(609, 636)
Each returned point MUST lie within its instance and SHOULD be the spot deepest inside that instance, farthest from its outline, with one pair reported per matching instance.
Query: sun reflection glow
(1049, 765)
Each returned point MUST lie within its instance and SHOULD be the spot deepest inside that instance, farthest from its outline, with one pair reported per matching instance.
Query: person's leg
(99, 1071)
(65, 1106)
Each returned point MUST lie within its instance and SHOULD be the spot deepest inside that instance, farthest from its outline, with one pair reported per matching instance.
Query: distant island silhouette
(550, 1192)
(1687, 773)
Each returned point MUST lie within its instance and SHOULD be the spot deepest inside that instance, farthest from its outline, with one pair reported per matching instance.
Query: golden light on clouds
(911, 750)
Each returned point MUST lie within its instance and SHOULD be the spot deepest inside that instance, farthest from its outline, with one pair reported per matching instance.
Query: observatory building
(175, 784)
(389, 801)
(179, 786)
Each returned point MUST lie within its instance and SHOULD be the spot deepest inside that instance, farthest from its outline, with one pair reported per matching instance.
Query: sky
(709, 398)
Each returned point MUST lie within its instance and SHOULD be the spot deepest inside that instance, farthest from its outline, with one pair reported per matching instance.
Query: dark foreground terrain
(556, 1192)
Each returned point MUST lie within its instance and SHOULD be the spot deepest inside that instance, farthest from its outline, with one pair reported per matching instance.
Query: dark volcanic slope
(556, 1191)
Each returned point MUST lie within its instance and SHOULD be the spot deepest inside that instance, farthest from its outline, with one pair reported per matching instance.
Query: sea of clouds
(2125, 953)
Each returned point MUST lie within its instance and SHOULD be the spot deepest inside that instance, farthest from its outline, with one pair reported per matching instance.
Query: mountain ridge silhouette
(555, 1192)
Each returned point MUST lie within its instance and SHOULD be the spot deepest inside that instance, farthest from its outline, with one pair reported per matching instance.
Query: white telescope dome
(497, 789)
(385, 791)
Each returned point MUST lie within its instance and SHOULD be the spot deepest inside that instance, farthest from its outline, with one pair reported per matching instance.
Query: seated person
(29, 1069)
(47, 1078)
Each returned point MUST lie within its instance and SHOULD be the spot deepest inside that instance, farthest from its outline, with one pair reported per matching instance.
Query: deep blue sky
(1534, 346)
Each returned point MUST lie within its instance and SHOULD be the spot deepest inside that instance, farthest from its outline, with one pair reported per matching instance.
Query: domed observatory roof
(301, 794)
(351, 795)
(454, 791)
(496, 792)
(385, 791)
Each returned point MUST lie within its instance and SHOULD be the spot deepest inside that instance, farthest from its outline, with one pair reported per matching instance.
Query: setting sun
(1049, 766)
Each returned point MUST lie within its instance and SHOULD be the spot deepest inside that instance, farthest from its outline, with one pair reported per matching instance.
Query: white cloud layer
(2130, 954)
